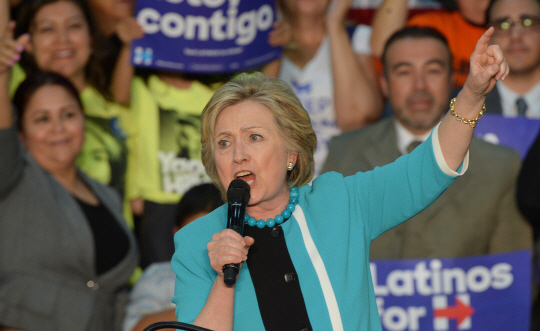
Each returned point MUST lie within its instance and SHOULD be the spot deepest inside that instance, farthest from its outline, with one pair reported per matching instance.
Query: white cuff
(440, 158)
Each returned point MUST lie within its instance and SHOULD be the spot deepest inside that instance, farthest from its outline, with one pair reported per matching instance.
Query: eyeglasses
(525, 23)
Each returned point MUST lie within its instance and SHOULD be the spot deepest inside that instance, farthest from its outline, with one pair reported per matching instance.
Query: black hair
(490, 7)
(34, 82)
(199, 198)
(414, 32)
(95, 75)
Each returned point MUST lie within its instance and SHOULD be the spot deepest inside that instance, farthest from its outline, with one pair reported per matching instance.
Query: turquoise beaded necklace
(280, 218)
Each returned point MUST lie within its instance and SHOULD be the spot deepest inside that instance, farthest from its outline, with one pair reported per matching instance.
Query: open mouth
(246, 176)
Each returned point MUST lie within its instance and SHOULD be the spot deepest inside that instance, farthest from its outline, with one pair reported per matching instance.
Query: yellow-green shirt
(168, 140)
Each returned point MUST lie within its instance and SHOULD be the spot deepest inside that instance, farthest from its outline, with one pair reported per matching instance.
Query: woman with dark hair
(66, 253)
(60, 36)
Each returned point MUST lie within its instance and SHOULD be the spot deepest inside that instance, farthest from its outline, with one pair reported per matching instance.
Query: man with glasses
(517, 32)
(478, 213)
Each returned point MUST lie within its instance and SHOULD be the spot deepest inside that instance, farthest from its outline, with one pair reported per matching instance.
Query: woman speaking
(308, 245)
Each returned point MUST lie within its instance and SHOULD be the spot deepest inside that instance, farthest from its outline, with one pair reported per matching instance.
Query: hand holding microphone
(228, 249)
(237, 198)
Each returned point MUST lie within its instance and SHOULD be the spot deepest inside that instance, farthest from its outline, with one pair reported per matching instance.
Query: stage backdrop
(204, 36)
(481, 293)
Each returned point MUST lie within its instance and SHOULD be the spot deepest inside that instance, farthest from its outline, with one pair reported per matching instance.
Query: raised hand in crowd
(10, 53)
(357, 99)
(11, 49)
(127, 30)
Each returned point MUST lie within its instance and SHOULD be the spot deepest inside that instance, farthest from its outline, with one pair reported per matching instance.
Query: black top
(110, 241)
(275, 280)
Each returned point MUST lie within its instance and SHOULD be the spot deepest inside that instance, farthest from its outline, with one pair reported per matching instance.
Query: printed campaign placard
(204, 36)
(514, 132)
(491, 292)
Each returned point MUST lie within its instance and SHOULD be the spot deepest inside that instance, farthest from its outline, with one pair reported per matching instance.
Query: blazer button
(93, 285)
(289, 277)
(275, 232)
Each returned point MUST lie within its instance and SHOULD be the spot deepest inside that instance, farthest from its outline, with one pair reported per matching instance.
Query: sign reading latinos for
(204, 36)
(491, 292)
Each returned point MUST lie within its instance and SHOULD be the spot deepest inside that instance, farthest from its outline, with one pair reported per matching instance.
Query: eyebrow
(243, 129)
(506, 18)
(46, 19)
(45, 110)
(408, 64)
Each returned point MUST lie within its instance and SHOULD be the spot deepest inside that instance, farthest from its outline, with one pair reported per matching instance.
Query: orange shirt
(461, 35)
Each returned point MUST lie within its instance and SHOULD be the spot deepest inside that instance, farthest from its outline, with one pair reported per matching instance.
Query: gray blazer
(47, 271)
(476, 215)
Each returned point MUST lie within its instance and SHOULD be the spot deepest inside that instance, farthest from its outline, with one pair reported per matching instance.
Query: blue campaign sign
(514, 132)
(491, 292)
(204, 36)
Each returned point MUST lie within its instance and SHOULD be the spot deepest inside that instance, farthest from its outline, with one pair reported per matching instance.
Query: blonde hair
(291, 120)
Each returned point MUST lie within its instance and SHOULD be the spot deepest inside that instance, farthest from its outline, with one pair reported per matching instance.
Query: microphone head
(238, 190)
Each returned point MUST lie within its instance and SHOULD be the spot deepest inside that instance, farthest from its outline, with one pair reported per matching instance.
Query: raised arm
(127, 30)
(7, 57)
(10, 162)
(487, 66)
(390, 17)
(357, 99)
(10, 53)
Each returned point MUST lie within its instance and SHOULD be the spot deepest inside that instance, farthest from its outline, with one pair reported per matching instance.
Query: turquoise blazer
(328, 238)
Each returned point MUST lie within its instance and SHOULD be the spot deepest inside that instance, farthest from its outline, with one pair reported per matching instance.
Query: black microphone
(237, 198)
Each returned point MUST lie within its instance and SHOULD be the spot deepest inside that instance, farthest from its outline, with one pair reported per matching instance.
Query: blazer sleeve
(197, 277)
(390, 195)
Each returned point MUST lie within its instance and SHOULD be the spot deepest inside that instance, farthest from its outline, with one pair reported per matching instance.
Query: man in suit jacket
(517, 32)
(477, 214)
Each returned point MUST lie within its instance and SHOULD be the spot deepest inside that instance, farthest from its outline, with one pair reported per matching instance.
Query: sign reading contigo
(204, 36)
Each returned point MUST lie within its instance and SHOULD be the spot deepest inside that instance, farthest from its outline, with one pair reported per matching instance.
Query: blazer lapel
(383, 147)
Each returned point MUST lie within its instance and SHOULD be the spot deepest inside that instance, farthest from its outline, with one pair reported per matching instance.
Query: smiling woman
(52, 127)
(62, 236)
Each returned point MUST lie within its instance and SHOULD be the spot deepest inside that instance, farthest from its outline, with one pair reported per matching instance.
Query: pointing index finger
(483, 42)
